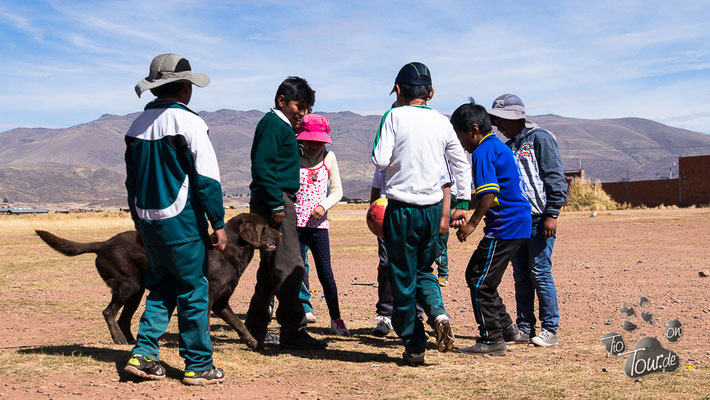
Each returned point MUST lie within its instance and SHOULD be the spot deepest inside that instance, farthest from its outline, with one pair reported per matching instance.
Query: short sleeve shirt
(495, 171)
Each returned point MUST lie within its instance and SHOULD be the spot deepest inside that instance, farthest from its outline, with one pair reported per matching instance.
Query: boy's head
(295, 99)
(413, 82)
(471, 123)
(170, 77)
(508, 115)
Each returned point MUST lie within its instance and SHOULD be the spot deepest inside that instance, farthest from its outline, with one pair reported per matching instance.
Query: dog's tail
(67, 247)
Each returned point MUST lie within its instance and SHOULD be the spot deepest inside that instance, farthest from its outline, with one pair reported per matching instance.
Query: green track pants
(410, 235)
(177, 278)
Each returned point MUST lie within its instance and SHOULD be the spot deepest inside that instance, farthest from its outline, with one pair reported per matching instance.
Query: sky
(68, 62)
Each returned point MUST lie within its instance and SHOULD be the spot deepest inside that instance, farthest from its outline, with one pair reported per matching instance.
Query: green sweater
(274, 161)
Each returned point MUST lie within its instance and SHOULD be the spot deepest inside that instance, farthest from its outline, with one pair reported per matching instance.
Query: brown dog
(121, 263)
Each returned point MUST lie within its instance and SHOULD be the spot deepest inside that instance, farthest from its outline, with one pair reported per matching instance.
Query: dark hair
(411, 92)
(171, 89)
(469, 114)
(294, 88)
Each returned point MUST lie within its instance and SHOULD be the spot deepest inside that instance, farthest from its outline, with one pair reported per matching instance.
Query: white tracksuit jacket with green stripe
(172, 176)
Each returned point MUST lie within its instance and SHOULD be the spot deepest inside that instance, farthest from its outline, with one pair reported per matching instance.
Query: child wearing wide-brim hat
(319, 191)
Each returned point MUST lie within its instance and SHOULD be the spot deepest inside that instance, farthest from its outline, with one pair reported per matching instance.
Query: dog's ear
(249, 232)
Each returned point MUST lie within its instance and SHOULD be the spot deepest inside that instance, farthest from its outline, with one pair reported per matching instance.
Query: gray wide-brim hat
(509, 106)
(167, 68)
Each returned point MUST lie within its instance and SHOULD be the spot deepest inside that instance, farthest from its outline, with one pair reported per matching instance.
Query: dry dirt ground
(55, 343)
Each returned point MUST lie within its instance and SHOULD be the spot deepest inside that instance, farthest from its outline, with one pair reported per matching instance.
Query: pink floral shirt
(314, 189)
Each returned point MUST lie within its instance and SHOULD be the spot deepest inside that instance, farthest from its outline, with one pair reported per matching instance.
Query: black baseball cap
(413, 73)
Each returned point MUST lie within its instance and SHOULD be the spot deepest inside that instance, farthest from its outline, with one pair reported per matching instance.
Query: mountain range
(84, 163)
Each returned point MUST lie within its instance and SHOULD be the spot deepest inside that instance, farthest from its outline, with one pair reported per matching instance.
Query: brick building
(691, 188)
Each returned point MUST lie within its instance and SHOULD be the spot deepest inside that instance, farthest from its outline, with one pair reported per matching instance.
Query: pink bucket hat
(315, 128)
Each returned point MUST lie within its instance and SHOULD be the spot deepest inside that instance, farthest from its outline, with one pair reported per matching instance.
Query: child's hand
(444, 226)
(465, 231)
(458, 218)
(276, 219)
(549, 227)
(219, 239)
(318, 212)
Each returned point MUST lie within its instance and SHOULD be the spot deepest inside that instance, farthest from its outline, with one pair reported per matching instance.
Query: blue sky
(68, 62)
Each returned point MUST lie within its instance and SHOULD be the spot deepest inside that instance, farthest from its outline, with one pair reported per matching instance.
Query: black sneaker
(271, 339)
(301, 340)
(492, 349)
(142, 367)
(208, 377)
(413, 358)
(513, 335)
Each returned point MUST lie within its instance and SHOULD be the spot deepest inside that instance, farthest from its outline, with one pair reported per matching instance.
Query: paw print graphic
(648, 356)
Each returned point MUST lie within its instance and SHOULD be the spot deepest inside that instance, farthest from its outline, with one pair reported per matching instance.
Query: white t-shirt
(413, 144)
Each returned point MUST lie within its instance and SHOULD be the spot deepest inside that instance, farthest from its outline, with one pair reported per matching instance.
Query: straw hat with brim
(509, 106)
(167, 68)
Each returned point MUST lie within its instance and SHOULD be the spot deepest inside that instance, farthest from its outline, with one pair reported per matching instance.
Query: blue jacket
(540, 165)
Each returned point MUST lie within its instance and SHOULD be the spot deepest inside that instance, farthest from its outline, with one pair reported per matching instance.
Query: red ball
(375, 216)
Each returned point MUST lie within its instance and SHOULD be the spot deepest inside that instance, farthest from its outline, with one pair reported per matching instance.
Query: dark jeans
(318, 242)
(532, 271)
(280, 273)
(483, 275)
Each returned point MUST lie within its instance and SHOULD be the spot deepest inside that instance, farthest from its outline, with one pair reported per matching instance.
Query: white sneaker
(545, 339)
(444, 333)
(310, 318)
(383, 327)
(338, 326)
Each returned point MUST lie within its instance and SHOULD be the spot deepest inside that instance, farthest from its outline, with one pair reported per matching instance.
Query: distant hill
(84, 163)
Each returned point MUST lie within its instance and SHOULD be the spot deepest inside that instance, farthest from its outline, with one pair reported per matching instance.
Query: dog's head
(253, 229)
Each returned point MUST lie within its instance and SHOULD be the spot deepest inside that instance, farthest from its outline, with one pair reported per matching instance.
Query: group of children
(422, 169)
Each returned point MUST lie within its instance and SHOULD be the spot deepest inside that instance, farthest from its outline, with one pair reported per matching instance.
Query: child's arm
(445, 210)
(336, 187)
(207, 181)
(553, 177)
(461, 167)
(383, 146)
(484, 203)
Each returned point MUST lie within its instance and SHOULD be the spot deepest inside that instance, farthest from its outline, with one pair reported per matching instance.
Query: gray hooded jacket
(540, 166)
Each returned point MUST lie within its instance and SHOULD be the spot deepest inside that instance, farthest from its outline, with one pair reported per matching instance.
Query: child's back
(495, 170)
(411, 143)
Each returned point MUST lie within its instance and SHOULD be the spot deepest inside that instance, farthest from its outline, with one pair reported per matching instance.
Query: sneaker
(443, 281)
(208, 377)
(301, 340)
(383, 327)
(545, 339)
(492, 348)
(310, 318)
(413, 358)
(142, 367)
(338, 326)
(513, 335)
(444, 333)
(271, 339)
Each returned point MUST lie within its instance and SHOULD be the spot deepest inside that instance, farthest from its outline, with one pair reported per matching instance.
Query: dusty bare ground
(55, 343)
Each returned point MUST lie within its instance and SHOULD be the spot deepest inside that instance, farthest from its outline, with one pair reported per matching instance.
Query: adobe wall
(694, 175)
(691, 188)
(650, 193)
